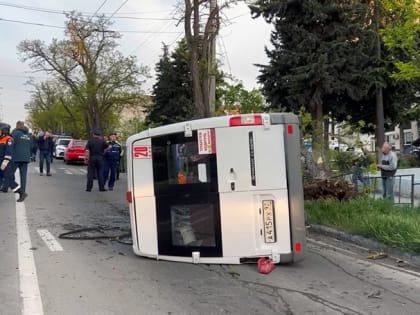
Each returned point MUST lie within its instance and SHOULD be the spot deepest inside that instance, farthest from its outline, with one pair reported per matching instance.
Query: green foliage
(172, 90)
(342, 161)
(408, 161)
(93, 78)
(235, 98)
(378, 219)
(322, 54)
(402, 34)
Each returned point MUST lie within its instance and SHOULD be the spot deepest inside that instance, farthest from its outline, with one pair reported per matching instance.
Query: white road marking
(82, 171)
(28, 279)
(50, 240)
(66, 171)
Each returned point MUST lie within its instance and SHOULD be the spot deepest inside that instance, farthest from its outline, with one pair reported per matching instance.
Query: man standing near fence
(388, 167)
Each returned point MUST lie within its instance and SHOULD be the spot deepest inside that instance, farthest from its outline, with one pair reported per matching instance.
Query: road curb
(370, 244)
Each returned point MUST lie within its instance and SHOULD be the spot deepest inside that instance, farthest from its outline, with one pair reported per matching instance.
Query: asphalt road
(43, 274)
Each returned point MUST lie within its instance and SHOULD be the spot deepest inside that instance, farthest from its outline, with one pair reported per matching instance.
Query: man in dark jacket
(95, 149)
(21, 154)
(34, 148)
(45, 147)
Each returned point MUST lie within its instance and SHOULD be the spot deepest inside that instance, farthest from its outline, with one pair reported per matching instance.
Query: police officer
(95, 149)
(112, 160)
(6, 164)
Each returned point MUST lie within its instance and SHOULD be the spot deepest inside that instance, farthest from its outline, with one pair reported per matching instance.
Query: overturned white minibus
(218, 190)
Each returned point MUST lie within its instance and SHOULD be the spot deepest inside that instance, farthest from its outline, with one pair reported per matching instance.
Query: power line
(62, 27)
(149, 38)
(100, 7)
(118, 9)
(22, 76)
(32, 23)
(88, 14)
(223, 46)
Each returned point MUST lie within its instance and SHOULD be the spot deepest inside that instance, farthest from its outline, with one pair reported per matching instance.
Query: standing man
(121, 163)
(45, 147)
(21, 154)
(388, 167)
(95, 148)
(34, 147)
(6, 165)
(112, 161)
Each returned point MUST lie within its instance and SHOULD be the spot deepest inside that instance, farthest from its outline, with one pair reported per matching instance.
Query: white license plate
(269, 221)
(81, 156)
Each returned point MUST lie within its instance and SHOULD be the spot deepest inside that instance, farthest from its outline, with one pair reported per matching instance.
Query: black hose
(76, 234)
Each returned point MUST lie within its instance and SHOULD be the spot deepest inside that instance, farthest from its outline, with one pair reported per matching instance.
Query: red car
(75, 151)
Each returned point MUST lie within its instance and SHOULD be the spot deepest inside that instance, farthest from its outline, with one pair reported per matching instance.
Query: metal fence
(403, 187)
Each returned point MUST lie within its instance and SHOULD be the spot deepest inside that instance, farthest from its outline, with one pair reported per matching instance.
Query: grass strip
(398, 227)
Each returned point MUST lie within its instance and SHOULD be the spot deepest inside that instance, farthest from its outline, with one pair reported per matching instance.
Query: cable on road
(99, 232)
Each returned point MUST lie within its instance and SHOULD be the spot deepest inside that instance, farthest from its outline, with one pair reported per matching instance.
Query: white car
(334, 145)
(60, 146)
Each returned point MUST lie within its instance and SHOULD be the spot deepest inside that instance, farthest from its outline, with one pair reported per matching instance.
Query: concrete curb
(412, 259)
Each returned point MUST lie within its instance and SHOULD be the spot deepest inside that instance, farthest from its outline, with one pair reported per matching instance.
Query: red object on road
(265, 265)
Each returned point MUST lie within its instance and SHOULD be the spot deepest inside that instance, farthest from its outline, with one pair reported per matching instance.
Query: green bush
(407, 161)
(342, 161)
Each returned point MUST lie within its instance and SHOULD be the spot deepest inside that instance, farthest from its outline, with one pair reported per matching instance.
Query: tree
(321, 58)
(234, 98)
(200, 32)
(87, 62)
(402, 32)
(47, 111)
(173, 88)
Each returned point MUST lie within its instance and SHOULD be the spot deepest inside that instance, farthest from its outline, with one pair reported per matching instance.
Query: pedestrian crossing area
(62, 170)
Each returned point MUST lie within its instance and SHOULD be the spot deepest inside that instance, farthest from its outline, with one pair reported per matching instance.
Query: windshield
(79, 143)
(64, 142)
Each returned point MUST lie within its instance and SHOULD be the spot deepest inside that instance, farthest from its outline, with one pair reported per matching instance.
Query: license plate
(81, 156)
(269, 221)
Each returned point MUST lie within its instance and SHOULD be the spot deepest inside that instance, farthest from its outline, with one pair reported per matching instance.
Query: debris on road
(377, 256)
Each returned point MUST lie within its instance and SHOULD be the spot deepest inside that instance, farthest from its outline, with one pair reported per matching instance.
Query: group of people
(15, 153)
(103, 160)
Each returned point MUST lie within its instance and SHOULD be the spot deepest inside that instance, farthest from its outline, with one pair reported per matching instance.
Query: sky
(144, 24)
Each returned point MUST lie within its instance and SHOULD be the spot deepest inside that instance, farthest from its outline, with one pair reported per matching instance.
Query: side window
(176, 161)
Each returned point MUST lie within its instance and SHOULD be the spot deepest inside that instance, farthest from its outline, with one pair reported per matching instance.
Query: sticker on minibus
(142, 152)
(206, 141)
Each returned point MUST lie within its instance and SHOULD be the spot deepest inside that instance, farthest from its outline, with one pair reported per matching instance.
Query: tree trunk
(317, 119)
(199, 110)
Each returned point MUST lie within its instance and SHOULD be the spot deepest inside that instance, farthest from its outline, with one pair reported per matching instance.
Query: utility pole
(380, 120)
(212, 58)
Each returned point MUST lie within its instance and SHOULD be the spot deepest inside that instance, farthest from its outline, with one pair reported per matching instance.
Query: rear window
(79, 143)
(63, 142)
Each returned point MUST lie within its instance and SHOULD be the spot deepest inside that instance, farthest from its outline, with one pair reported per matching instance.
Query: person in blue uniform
(112, 161)
(6, 163)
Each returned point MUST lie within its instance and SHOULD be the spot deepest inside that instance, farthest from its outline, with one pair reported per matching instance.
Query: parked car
(75, 151)
(410, 149)
(60, 146)
(336, 146)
